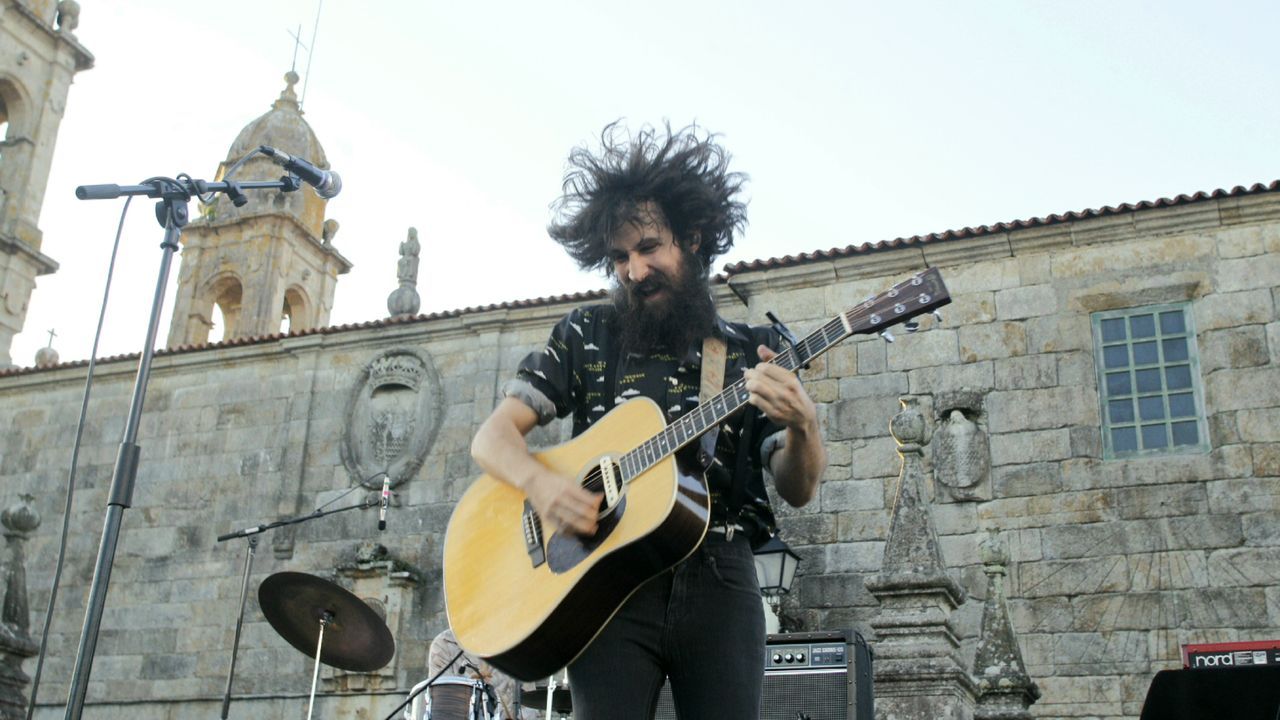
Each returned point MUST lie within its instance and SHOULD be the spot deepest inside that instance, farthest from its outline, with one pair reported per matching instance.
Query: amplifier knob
(777, 658)
(790, 657)
(799, 657)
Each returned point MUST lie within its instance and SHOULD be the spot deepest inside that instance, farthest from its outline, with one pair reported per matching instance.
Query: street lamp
(775, 570)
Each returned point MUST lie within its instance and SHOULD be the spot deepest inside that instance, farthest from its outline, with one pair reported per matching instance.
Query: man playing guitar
(653, 210)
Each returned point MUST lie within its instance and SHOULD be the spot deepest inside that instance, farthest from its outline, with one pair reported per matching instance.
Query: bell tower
(268, 266)
(41, 56)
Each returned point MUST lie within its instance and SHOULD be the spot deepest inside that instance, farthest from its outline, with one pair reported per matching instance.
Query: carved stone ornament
(392, 418)
(961, 454)
(385, 583)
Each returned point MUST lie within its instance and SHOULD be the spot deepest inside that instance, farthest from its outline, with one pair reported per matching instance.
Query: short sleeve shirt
(580, 372)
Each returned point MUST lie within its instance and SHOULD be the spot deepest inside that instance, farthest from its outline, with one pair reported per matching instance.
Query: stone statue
(404, 300)
(407, 270)
(68, 15)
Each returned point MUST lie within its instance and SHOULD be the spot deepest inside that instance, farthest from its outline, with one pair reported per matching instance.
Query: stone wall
(1113, 563)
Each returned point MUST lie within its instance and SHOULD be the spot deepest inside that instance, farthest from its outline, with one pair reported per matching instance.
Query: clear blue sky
(857, 122)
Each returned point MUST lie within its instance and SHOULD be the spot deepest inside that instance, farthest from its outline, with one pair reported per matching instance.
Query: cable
(427, 686)
(353, 488)
(71, 475)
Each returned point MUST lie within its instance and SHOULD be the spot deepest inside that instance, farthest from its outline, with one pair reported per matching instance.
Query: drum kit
(326, 622)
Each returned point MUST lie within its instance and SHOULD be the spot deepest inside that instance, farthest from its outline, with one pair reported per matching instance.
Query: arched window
(4, 124)
(294, 313)
(4, 134)
(227, 294)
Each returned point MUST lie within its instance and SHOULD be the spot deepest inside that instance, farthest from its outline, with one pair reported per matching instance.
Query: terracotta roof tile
(970, 232)
(770, 263)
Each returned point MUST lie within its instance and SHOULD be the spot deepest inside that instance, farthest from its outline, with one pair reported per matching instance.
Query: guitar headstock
(917, 295)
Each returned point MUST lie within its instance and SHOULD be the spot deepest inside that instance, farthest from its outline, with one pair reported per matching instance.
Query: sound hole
(565, 550)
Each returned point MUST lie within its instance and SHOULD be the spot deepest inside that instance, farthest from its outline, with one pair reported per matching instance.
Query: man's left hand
(779, 395)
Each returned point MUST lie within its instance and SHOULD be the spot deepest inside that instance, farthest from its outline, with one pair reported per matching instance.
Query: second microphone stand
(252, 534)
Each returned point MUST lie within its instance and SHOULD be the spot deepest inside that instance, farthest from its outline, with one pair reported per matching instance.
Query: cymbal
(355, 639)
(561, 700)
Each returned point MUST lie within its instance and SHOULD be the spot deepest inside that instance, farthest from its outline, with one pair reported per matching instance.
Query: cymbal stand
(551, 689)
(252, 535)
(325, 619)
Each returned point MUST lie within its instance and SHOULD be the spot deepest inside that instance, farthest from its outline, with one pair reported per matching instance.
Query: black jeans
(700, 624)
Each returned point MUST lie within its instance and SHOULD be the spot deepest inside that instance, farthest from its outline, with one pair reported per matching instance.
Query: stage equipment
(1234, 693)
(452, 698)
(561, 701)
(1231, 654)
(817, 675)
(171, 212)
(303, 608)
(326, 182)
(252, 535)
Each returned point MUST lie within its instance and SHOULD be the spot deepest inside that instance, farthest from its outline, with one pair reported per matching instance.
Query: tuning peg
(911, 325)
(937, 316)
(888, 336)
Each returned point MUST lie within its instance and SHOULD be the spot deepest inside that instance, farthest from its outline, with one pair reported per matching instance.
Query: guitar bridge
(531, 525)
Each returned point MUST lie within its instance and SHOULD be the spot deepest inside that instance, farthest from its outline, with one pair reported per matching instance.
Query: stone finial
(20, 519)
(329, 231)
(47, 356)
(908, 426)
(68, 18)
(1005, 691)
(288, 98)
(404, 300)
(993, 551)
(912, 546)
(918, 671)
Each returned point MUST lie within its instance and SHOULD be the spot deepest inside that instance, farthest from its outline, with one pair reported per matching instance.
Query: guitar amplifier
(817, 675)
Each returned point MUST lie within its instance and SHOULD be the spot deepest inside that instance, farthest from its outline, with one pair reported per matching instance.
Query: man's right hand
(500, 449)
(563, 502)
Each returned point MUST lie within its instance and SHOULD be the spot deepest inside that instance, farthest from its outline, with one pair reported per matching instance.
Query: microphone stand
(171, 212)
(252, 534)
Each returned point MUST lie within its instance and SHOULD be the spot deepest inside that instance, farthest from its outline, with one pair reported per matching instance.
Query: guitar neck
(733, 398)
(920, 294)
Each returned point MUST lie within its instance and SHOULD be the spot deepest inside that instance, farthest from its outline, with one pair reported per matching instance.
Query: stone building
(1132, 526)
(1043, 496)
(41, 56)
(267, 265)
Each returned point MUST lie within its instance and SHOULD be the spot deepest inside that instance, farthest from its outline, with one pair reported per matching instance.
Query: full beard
(672, 324)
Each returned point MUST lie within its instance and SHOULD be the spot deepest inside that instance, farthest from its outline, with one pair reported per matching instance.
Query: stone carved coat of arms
(393, 416)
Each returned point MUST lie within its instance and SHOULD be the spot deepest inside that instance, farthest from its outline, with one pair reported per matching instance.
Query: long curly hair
(684, 173)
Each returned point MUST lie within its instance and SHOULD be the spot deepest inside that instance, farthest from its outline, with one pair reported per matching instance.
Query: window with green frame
(1149, 381)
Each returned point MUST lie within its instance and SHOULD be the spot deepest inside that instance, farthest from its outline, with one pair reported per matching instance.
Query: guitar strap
(713, 359)
(742, 468)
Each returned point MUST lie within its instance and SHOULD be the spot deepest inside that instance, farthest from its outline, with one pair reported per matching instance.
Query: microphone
(386, 501)
(326, 182)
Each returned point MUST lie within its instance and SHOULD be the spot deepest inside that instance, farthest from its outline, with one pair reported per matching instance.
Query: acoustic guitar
(529, 598)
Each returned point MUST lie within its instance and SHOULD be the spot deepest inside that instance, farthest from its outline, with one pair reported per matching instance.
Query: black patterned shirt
(580, 372)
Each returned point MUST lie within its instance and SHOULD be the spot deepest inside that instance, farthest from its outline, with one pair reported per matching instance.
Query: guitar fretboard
(697, 421)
